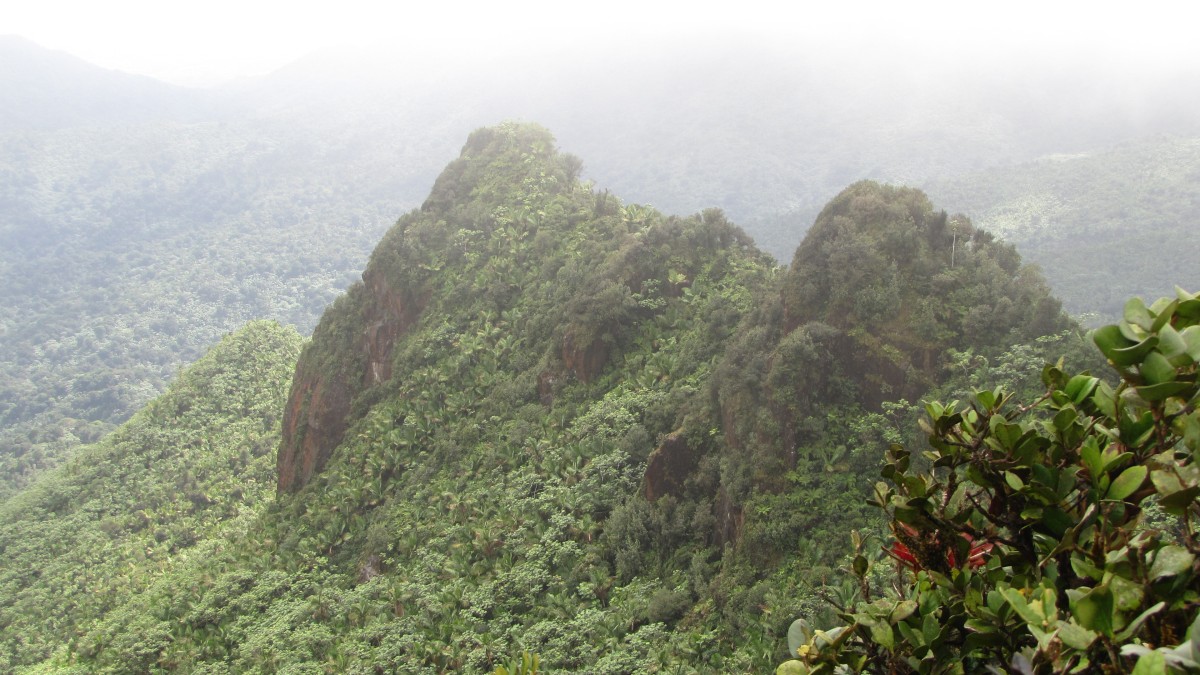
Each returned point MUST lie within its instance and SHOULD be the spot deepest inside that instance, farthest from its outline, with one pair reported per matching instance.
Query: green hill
(545, 420)
(188, 473)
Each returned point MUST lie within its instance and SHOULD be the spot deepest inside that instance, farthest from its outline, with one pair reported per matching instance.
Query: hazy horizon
(226, 41)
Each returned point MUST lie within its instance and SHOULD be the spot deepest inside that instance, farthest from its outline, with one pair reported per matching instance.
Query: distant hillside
(126, 254)
(44, 89)
(1133, 208)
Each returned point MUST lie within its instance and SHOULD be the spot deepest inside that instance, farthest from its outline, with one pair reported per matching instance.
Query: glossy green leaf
(1119, 349)
(1031, 613)
(931, 629)
(1156, 369)
(1170, 561)
(1093, 609)
(1084, 568)
(884, 634)
(1075, 636)
(860, 565)
(1177, 501)
(1161, 392)
(986, 398)
(902, 610)
(1089, 454)
(1064, 418)
(1136, 625)
(1127, 483)
(1151, 663)
(1127, 595)
(1057, 521)
(799, 634)
(1191, 342)
(1080, 387)
(792, 667)
(1105, 398)
(1163, 309)
(1171, 344)
(1188, 309)
(1137, 314)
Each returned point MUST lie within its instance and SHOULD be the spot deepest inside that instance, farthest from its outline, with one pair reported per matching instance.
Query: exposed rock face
(316, 417)
(391, 312)
(731, 519)
(584, 361)
(314, 422)
(669, 466)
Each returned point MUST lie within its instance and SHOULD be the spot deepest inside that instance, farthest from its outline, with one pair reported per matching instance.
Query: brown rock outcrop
(391, 312)
(314, 422)
(584, 361)
(668, 467)
(316, 417)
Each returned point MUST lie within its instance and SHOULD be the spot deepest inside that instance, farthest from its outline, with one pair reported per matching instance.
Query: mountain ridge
(549, 420)
(46, 89)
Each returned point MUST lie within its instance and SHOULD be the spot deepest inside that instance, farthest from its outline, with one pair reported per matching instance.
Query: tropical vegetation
(1047, 535)
(547, 423)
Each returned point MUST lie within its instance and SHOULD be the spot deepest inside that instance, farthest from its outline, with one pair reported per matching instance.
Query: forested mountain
(545, 420)
(132, 237)
(46, 89)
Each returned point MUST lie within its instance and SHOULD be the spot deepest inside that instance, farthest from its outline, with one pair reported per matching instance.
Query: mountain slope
(127, 255)
(557, 332)
(190, 469)
(46, 89)
(548, 420)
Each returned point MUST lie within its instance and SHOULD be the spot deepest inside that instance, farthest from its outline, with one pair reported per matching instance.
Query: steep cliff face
(668, 468)
(314, 422)
(318, 408)
(584, 361)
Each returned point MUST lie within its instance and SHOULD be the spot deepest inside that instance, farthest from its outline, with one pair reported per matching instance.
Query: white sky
(216, 40)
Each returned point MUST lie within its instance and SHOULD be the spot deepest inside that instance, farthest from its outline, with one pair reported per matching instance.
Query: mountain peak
(495, 159)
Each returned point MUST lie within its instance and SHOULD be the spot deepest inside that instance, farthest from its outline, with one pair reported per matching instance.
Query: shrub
(1020, 535)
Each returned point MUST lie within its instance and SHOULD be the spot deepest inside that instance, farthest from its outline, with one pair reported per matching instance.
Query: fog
(223, 40)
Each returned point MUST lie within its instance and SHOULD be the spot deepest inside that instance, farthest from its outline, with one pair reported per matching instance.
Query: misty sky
(209, 42)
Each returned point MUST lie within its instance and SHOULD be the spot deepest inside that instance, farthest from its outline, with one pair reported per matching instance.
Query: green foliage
(602, 441)
(130, 250)
(527, 664)
(812, 389)
(194, 466)
(881, 260)
(1019, 534)
(481, 499)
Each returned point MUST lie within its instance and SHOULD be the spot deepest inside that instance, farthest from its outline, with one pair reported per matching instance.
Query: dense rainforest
(545, 421)
(139, 222)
